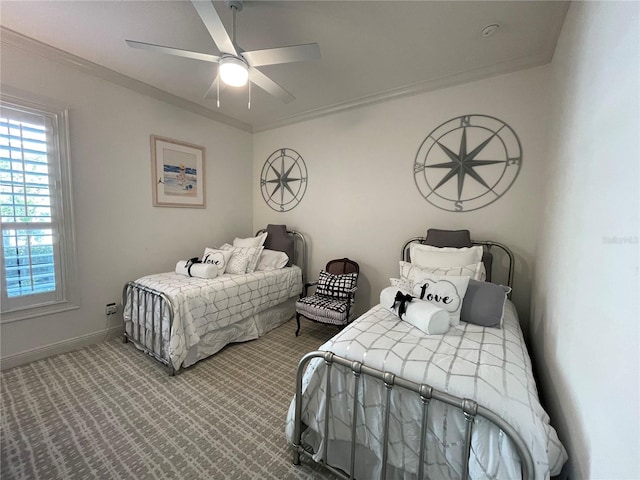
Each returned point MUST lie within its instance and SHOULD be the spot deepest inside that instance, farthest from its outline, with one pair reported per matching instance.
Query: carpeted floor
(109, 411)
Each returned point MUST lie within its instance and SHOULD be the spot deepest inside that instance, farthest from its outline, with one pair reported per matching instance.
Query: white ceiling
(371, 50)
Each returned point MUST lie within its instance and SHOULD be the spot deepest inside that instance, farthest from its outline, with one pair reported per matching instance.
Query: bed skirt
(245, 330)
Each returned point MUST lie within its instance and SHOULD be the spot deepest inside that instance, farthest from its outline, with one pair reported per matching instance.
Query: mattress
(202, 306)
(488, 365)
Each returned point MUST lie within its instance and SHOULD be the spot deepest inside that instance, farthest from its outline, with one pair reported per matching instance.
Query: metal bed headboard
(487, 246)
(303, 257)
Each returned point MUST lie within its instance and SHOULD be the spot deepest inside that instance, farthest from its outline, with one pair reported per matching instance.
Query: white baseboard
(39, 353)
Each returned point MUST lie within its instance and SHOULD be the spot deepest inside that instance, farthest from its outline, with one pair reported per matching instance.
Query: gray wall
(362, 201)
(585, 314)
(119, 234)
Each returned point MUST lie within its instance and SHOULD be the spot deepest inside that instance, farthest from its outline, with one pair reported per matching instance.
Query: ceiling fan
(237, 67)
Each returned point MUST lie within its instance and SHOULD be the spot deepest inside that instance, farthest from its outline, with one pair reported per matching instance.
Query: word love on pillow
(446, 292)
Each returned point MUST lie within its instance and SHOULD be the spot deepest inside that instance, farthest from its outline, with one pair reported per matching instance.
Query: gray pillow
(483, 304)
(278, 239)
(448, 238)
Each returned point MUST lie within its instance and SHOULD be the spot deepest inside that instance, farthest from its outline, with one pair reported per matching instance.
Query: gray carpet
(109, 411)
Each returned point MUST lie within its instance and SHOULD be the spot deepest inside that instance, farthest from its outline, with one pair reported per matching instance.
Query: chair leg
(298, 320)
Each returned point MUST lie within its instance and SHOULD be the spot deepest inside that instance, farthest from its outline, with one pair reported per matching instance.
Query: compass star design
(494, 140)
(283, 180)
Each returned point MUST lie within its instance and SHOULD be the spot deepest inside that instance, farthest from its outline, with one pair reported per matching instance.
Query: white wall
(119, 234)
(362, 201)
(585, 312)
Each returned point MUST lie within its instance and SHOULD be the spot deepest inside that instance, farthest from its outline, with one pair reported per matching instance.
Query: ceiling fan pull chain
(249, 104)
(218, 90)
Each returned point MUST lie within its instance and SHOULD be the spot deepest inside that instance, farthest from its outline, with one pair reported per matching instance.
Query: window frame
(66, 294)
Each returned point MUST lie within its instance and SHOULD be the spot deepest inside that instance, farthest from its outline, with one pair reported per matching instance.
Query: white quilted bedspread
(204, 305)
(488, 365)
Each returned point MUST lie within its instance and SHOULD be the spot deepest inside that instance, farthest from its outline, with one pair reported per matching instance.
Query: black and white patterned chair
(335, 292)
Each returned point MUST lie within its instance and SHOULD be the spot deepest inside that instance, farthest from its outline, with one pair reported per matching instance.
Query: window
(38, 266)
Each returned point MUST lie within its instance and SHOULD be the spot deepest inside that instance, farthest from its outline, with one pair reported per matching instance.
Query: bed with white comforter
(211, 313)
(488, 365)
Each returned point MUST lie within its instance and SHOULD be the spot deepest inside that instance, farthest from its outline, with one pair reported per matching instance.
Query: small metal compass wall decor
(283, 180)
(467, 163)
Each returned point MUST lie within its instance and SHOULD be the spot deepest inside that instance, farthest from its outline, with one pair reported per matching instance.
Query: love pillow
(446, 292)
(220, 258)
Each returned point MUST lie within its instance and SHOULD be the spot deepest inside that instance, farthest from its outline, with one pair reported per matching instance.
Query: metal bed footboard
(469, 408)
(147, 302)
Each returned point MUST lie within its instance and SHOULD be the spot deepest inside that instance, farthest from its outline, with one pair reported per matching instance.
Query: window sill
(17, 315)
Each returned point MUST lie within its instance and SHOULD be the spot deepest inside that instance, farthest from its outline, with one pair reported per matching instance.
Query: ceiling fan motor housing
(234, 71)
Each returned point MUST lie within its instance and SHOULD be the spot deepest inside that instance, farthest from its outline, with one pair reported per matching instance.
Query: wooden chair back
(341, 266)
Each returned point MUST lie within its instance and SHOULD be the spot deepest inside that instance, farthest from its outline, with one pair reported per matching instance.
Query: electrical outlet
(111, 308)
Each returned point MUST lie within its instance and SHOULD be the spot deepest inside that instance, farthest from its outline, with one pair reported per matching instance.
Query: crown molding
(468, 76)
(27, 44)
(503, 68)
(17, 40)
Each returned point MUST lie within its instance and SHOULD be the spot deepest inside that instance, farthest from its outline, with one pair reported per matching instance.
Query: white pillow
(272, 260)
(257, 241)
(220, 258)
(251, 253)
(414, 273)
(436, 257)
(446, 292)
(238, 263)
(402, 284)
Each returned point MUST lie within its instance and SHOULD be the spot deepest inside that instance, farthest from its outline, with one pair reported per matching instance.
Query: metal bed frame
(470, 408)
(148, 300)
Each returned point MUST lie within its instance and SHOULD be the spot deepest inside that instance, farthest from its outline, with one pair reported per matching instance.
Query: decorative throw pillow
(271, 260)
(257, 241)
(482, 274)
(252, 254)
(446, 292)
(402, 284)
(278, 239)
(427, 256)
(484, 304)
(238, 262)
(414, 274)
(220, 258)
(337, 286)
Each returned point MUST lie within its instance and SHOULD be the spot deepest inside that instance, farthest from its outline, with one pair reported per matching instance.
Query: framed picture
(177, 173)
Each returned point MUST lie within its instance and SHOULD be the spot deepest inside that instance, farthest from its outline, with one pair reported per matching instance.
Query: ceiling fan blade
(214, 25)
(269, 86)
(273, 56)
(174, 51)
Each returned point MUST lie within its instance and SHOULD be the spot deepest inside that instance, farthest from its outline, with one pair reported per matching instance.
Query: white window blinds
(35, 258)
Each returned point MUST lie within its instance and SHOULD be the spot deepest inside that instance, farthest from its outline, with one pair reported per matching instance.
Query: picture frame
(178, 173)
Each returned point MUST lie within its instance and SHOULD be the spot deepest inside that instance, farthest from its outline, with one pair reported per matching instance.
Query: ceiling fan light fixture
(233, 71)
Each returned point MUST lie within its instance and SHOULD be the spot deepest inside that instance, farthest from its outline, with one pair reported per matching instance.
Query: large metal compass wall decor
(467, 163)
(283, 180)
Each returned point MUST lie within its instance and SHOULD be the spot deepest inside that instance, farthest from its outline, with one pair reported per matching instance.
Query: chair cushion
(337, 286)
(323, 309)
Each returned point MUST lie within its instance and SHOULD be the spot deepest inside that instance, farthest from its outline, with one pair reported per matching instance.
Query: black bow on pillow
(403, 299)
(190, 263)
